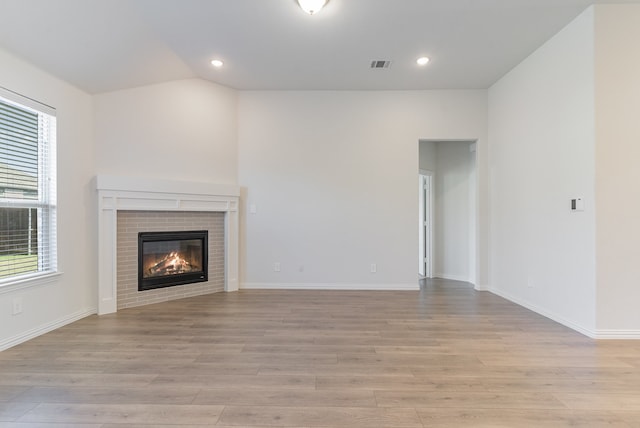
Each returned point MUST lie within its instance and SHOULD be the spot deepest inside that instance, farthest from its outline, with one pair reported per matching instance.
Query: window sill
(28, 282)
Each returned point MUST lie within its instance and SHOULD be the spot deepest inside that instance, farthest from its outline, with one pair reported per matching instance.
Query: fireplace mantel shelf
(117, 193)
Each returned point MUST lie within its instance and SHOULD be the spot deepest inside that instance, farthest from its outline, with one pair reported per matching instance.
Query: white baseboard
(481, 287)
(331, 286)
(452, 277)
(605, 334)
(617, 334)
(572, 325)
(45, 328)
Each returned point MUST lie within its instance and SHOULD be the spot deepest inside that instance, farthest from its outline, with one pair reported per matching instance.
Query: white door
(424, 225)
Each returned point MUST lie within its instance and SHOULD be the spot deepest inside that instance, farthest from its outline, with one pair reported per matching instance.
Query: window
(27, 188)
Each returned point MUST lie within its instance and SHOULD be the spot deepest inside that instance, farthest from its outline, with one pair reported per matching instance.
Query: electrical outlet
(374, 268)
(17, 306)
(530, 282)
(276, 267)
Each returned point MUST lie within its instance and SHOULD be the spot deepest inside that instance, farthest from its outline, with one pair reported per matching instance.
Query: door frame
(425, 241)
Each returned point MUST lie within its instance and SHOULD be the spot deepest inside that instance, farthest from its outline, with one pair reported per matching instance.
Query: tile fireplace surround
(116, 193)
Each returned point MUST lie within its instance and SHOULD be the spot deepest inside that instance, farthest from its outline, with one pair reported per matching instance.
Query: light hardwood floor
(446, 356)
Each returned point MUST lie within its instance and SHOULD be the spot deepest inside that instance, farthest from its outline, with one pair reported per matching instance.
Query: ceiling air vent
(380, 64)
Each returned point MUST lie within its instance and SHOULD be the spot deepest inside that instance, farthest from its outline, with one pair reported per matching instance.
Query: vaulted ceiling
(105, 45)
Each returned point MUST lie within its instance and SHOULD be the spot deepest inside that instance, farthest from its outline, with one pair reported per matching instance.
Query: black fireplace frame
(152, 283)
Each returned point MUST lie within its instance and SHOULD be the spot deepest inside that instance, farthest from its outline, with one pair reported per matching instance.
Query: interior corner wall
(183, 130)
(72, 295)
(332, 178)
(617, 93)
(541, 155)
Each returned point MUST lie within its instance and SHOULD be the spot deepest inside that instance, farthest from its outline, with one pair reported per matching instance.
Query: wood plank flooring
(446, 356)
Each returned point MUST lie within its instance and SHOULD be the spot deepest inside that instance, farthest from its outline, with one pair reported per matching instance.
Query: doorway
(447, 210)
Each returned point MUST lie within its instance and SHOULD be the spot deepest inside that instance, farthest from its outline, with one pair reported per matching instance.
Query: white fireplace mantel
(118, 193)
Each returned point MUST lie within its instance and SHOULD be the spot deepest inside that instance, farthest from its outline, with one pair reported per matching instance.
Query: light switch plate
(577, 204)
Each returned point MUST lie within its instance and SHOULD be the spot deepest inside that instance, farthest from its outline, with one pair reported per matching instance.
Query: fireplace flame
(171, 264)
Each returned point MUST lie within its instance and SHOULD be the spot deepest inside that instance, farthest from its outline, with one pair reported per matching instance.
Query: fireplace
(129, 205)
(166, 259)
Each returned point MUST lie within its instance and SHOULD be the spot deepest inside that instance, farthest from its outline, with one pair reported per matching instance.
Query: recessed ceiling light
(423, 60)
(217, 63)
(312, 6)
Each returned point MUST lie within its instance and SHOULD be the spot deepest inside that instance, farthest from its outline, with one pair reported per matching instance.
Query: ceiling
(105, 45)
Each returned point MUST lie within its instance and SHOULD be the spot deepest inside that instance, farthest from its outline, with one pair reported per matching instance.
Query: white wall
(617, 30)
(181, 130)
(333, 178)
(541, 154)
(72, 295)
(454, 211)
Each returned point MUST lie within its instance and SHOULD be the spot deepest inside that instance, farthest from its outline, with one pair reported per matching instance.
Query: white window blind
(27, 188)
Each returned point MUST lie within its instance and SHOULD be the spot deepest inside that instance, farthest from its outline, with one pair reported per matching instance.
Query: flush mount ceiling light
(217, 63)
(423, 60)
(312, 6)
